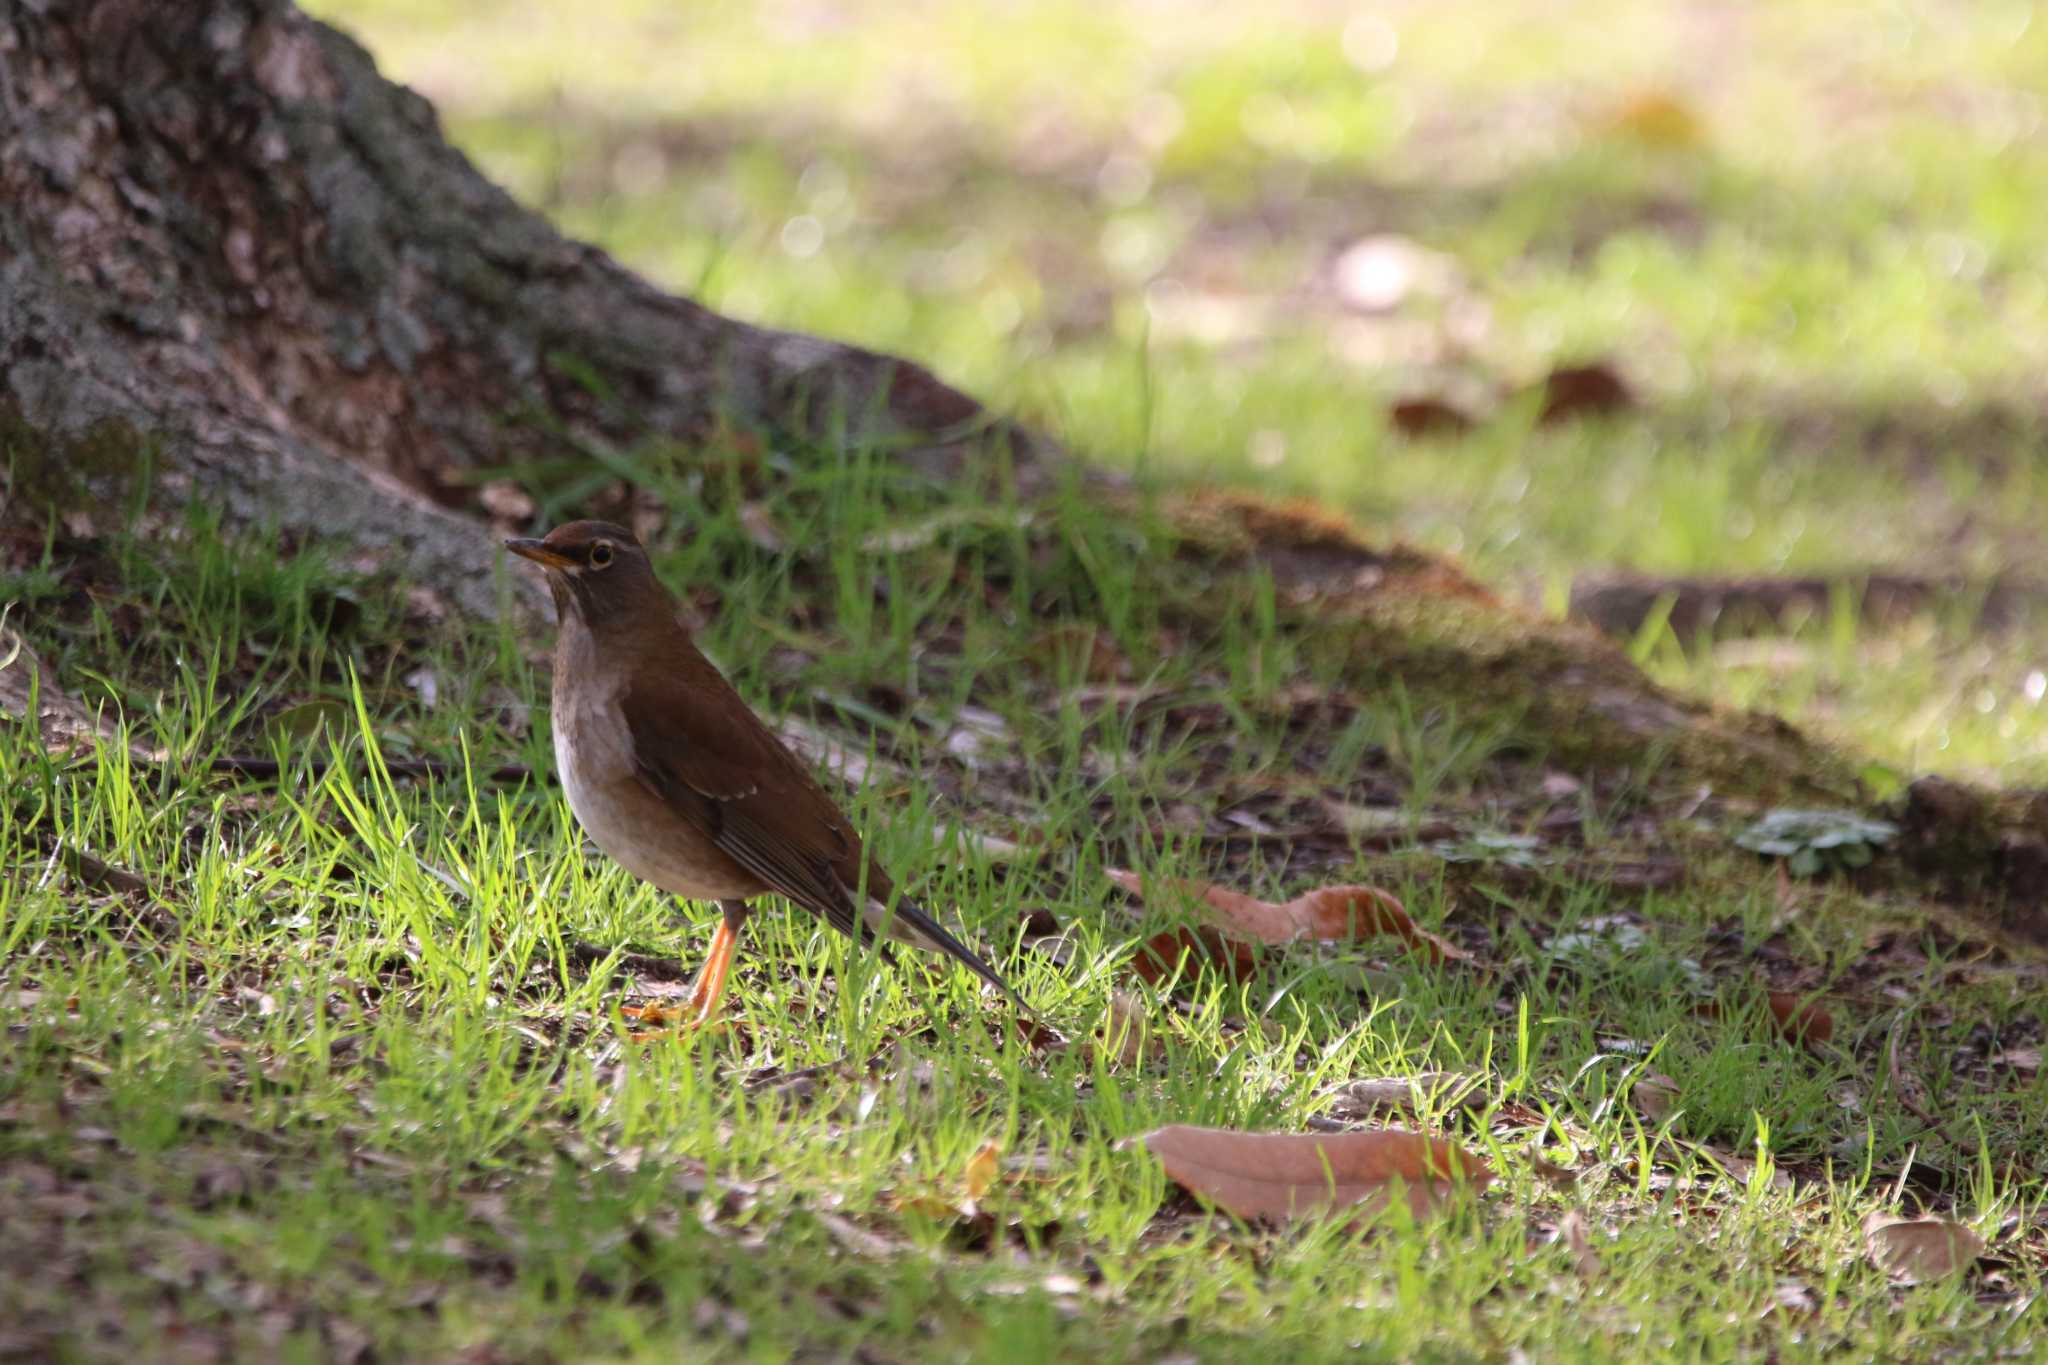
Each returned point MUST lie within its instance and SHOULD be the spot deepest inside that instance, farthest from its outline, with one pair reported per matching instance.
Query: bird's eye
(600, 554)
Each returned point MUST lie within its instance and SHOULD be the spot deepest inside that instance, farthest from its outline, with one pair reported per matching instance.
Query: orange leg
(702, 1005)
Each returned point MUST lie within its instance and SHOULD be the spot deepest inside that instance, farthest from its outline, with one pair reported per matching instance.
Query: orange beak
(538, 552)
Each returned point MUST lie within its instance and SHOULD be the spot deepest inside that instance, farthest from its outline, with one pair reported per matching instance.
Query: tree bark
(229, 247)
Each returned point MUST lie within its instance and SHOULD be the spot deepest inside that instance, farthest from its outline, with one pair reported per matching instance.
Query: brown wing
(699, 748)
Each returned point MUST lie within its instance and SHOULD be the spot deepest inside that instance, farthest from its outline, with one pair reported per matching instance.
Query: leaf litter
(1920, 1250)
(1240, 926)
(1331, 914)
(1281, 1176)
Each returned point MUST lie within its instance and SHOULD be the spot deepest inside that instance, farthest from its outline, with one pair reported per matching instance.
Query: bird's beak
(538, 552)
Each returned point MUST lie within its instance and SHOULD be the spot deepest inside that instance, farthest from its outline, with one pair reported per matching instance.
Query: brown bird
(674, 776)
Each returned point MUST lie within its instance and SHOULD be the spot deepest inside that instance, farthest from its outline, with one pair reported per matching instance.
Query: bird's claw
(669, 1022)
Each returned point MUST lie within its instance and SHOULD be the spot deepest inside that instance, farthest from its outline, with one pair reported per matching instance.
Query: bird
(676, 779)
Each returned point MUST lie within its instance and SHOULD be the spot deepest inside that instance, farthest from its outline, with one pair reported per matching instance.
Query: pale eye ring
(600, 554)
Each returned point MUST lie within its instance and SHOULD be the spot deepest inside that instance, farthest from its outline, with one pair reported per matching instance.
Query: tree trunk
(228, 246)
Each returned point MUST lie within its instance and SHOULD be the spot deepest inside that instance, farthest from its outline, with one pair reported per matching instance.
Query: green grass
(1805, 238)
(352, 1079)
(357, 1062)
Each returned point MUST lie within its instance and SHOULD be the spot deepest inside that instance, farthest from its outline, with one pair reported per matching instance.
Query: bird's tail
(909, 923)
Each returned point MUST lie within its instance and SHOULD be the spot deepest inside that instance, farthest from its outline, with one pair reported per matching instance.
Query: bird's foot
(700, 1011)
(669, 1021)
(656, 1014)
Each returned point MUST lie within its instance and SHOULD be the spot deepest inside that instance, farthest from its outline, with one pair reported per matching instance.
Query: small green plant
(1812, 840)
(1512, 850)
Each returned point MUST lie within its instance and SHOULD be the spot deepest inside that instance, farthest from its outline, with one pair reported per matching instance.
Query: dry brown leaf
(1658, 118)
(1795, 1022)
(1159, 956)
(1428, 417)
(1293, 1175)
(1037, 1036)
(933, 1206)
(981, 1168)
(1090, 652)
(1654, 1095)
(976, 1178)
(1916, 1250)
(757, 519)
(1553, 1173)
(1449, 1088)
(1738, 1167)
(65, 723)
(2019, 1058)
(506, 501)
(1577, 1235)
(1331, 914)
(1039, 922)
(1583, 390)
(1126, 1033)
(1799, 1022)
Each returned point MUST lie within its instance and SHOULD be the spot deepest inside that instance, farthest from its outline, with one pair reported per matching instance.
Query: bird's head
(596, 570)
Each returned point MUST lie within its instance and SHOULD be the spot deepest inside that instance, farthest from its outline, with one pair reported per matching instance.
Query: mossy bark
(221, 231)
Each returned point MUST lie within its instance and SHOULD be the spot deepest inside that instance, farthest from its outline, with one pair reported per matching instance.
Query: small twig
(762, 1080)
(1377, 841)
(250, 765)
(1898, 1075)
(1905, 1169)
(591, 955)
(96, 875)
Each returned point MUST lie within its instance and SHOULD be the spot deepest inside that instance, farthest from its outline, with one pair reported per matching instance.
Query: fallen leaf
(1449, 1088)
(1801, 1023)
(757, 520)
(1793, 1298)
(1091, 654)
(981, 1169)
(1741, 1168)
(1796, 1022)
(917, 535)
(1428, 417)
(1583, 391)
(1577, 1235)
(1293, 1175)
(1916, 1250)
(993, 847)
(2019, 1058)
(1658, 118)
(1332, 914)
(1126, 1033)
(1037, 1036)
(1159, 956)
(506, 501)
(64, 722)
(1654, 1095)
(856, 1238)
(1038, 922)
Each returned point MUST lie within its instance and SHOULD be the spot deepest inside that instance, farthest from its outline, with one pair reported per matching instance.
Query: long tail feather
(914, 925)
